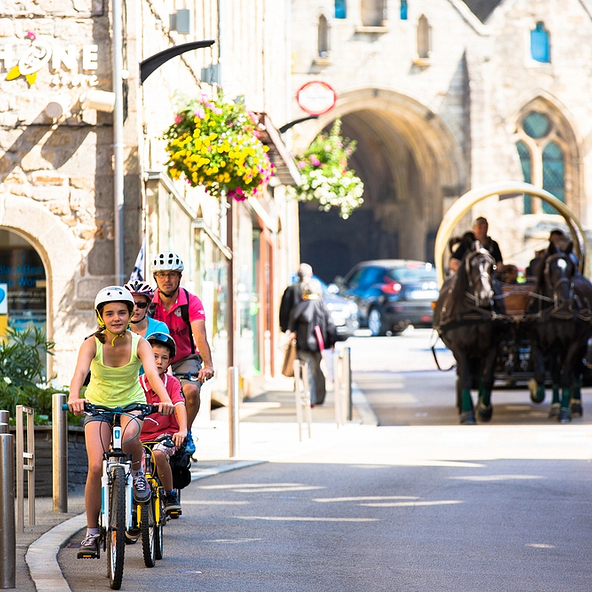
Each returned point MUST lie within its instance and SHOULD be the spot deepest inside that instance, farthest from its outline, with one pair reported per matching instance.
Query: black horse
(558, 326)
(466, 318)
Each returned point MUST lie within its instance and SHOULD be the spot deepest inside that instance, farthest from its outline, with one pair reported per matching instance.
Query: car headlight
(352, 307)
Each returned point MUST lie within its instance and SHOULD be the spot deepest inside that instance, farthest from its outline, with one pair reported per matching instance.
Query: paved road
(418, 504)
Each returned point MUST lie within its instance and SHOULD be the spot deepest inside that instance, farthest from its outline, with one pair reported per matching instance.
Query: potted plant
(325, 176)
(215, 143)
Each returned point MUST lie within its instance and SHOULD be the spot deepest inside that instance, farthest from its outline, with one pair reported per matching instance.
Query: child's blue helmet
(163, 339)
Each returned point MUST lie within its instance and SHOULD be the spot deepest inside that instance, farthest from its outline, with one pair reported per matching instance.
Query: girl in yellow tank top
(114, 356)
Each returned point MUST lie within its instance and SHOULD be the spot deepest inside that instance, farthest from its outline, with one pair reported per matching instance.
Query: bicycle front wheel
(160, 516)
(148, 527)
(116, 528)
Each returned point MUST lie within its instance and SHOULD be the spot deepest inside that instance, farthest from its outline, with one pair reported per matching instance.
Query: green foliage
(325, 176)
(21, 373)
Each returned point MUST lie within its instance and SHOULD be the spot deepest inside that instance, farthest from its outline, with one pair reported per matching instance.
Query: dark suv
(392, 294)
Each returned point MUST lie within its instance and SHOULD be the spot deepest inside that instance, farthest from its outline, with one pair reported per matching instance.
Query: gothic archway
(409, 162)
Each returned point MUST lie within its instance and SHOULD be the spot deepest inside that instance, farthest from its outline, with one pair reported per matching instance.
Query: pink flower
(314, 160)
(200, 113)
(217, 110)
(178, 119)
(301, 164)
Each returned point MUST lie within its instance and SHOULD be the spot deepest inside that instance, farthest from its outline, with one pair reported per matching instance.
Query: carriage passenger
(480, 228)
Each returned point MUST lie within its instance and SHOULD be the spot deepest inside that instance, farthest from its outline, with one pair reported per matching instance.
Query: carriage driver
(480, 228)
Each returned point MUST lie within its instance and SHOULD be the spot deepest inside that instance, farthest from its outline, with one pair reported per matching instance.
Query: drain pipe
(118, 173)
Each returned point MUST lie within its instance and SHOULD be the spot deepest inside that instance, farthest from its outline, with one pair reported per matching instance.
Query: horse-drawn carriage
(537, 330)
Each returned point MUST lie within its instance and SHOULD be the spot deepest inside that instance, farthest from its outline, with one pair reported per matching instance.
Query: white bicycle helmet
(141, 288)
(114, 294)
(167, 261)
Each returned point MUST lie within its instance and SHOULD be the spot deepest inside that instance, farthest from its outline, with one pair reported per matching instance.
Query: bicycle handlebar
(144, 408)
(192, 376)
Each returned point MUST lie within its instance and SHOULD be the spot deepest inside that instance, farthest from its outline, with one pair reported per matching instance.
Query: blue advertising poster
(23, 273)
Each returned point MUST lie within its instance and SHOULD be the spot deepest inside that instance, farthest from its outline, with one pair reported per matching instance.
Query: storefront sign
(69, 65)
(316, 97)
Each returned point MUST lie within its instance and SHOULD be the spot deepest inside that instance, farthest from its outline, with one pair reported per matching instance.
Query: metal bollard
(25, 463)
(59, 434)
(7, 531)
(346, 380)
(4, 428)
(233, 411)
(4, 416)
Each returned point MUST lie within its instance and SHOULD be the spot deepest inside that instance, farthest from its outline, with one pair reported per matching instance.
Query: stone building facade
(444, 96)
(59, 240)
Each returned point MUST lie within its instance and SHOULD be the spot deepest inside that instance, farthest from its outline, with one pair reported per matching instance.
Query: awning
(285, 165)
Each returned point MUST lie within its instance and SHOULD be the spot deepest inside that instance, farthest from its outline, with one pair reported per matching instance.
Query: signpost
(316, 97)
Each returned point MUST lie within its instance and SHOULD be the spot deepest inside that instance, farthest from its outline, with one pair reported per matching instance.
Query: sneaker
(141, 489)
(89, 547)
(171, 502)
(189, 444)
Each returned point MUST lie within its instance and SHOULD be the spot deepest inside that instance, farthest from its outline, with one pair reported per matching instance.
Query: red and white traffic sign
(316, 97)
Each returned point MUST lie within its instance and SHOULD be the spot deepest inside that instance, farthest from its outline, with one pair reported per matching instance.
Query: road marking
(413, 504)
(364, 498)
(304, 519)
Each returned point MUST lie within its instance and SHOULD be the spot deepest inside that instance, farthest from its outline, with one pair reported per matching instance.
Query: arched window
(340, 9)
(526, 164)
(323, 42)
(541, 149)
(373, 13)
(423, 37)
(540, 45)
(404, 8)
(553, 174)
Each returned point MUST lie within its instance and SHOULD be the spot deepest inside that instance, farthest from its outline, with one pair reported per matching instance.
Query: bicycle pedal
(174, 514)
(89, 554)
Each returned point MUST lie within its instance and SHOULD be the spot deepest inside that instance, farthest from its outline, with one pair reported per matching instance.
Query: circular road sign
(316, 97)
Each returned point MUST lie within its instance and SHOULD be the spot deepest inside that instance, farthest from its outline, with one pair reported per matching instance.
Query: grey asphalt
(268, 432)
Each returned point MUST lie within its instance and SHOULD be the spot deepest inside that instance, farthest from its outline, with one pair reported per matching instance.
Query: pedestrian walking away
(293, 295)
(184, 315)
(313, 329)
(114, 355)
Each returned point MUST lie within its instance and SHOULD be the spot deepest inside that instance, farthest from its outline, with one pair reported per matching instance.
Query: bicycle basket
(180, 466)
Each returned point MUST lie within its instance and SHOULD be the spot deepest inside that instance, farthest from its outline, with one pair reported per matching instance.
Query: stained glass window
(536, 125)
(553, 174)
(526, 164)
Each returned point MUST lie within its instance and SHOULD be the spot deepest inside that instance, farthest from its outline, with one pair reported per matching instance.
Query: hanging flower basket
(325, 176)
(216, 144)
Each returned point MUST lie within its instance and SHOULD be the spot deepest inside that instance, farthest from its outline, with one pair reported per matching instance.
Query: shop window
(403, 8)
(526, 164)
(22, 284)
(323, 33)
(423, 38)
(373, 13)
(340, 9)
(540, 46)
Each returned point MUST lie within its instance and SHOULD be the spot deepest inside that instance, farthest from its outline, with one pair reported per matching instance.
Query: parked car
(344, 312)
(392, 294)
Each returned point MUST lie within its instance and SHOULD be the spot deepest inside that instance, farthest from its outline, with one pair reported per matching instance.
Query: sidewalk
(268, 432)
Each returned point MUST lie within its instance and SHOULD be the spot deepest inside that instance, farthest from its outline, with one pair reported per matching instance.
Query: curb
(41, 556)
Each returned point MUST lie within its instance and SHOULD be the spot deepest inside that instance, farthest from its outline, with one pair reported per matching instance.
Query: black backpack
(184, 314)
(181, 467)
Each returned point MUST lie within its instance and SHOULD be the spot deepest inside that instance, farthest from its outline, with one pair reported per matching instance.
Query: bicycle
(152, 517)
(116, 516)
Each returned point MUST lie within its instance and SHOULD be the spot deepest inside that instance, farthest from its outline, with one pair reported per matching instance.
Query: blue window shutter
(540, 47)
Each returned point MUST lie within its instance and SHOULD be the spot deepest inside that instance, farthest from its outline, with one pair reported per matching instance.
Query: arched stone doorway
(54, 245)
(409, 162)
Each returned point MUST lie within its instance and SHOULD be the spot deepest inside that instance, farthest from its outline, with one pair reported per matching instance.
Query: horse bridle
(468, 259)
(563, 280)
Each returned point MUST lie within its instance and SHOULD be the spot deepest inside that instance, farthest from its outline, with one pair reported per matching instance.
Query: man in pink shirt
(184, 315)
